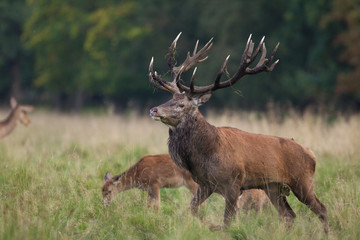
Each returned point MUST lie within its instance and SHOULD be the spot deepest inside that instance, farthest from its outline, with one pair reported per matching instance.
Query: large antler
(247, 59)
(190, 61)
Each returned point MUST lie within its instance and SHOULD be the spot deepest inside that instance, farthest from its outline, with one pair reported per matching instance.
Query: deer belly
(173, 182)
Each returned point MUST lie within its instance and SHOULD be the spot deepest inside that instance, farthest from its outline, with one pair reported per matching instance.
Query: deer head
(186, 100)
(109, 190)
(23, 110)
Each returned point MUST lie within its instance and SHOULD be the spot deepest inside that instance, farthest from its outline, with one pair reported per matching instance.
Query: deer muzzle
(106, 202)
(154, 114)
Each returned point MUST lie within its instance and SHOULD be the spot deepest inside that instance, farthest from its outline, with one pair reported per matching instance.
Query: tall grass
(51, 175)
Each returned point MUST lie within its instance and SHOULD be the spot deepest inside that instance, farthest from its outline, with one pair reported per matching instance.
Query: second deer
(18, 113)
(150, 173)
(252, 199)
(257, 198)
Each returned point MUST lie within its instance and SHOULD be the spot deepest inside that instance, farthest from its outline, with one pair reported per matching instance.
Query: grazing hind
(18, 113)
(150, 173)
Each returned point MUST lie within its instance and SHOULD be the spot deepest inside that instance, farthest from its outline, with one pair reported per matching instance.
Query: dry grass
(51, 174)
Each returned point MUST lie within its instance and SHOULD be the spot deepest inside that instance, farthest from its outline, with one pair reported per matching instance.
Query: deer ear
(202, 99)
(107, 176)
(13, 102)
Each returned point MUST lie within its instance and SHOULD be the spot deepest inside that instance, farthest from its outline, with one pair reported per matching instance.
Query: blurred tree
(83, 48)
(347, 14)
(310, 62)
(231, 22)
(56, 32)
(101, 50)
(305, 74)
(115, 44)
(13, 57)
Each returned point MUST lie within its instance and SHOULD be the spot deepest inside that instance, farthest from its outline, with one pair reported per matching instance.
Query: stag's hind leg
(278, 199)
(305, 193)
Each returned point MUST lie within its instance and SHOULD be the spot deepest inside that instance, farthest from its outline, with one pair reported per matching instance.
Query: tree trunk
(16, 79)
(78, 101)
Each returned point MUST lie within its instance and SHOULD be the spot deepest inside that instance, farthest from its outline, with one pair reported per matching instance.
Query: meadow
(51, 174)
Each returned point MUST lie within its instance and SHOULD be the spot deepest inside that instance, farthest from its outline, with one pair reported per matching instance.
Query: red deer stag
(150, 173)
(18, 112)
(226, 160)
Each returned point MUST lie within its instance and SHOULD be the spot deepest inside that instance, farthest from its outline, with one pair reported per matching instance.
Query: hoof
(215, 228)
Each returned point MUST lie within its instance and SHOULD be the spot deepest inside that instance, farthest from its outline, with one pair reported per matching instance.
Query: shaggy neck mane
(192, 141)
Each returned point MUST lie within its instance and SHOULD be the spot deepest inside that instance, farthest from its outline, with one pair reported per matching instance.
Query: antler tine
(274, 52)
(197, 57)
(262, 64)
(259, 47)
(175, 40)
(192, 82)
(263, 56)
(153, 75)
(196, 46)
(249, 55)
(252, 56)
(151, 64)
(251, 49)
(261, 43)
(202, 60)
(155, 84)
(158, 82)
(248, 42)
(246, 50)
(178, 75)
(172, 48)
(222, 70)
(272, 66)
(194, 89)
(207, 47)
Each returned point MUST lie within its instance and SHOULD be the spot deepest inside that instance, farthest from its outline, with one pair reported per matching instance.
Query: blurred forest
(69, 54)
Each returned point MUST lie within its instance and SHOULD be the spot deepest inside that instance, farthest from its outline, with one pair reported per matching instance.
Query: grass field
(51, 175)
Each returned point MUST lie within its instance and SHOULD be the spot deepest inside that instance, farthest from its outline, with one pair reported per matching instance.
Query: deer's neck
(8, 125)
(192, 142)
(127, 180)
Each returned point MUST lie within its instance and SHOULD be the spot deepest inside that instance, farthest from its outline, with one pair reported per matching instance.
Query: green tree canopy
(347, 14)
(80, 51)
(14, 59)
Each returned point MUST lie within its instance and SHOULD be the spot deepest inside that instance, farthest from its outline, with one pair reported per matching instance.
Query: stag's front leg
(201, 195)
(230, 207)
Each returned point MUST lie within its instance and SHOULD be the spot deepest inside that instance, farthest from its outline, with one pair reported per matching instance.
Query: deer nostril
(153, 111)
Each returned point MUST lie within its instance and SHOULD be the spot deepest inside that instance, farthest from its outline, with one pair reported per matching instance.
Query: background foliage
(70, 53)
